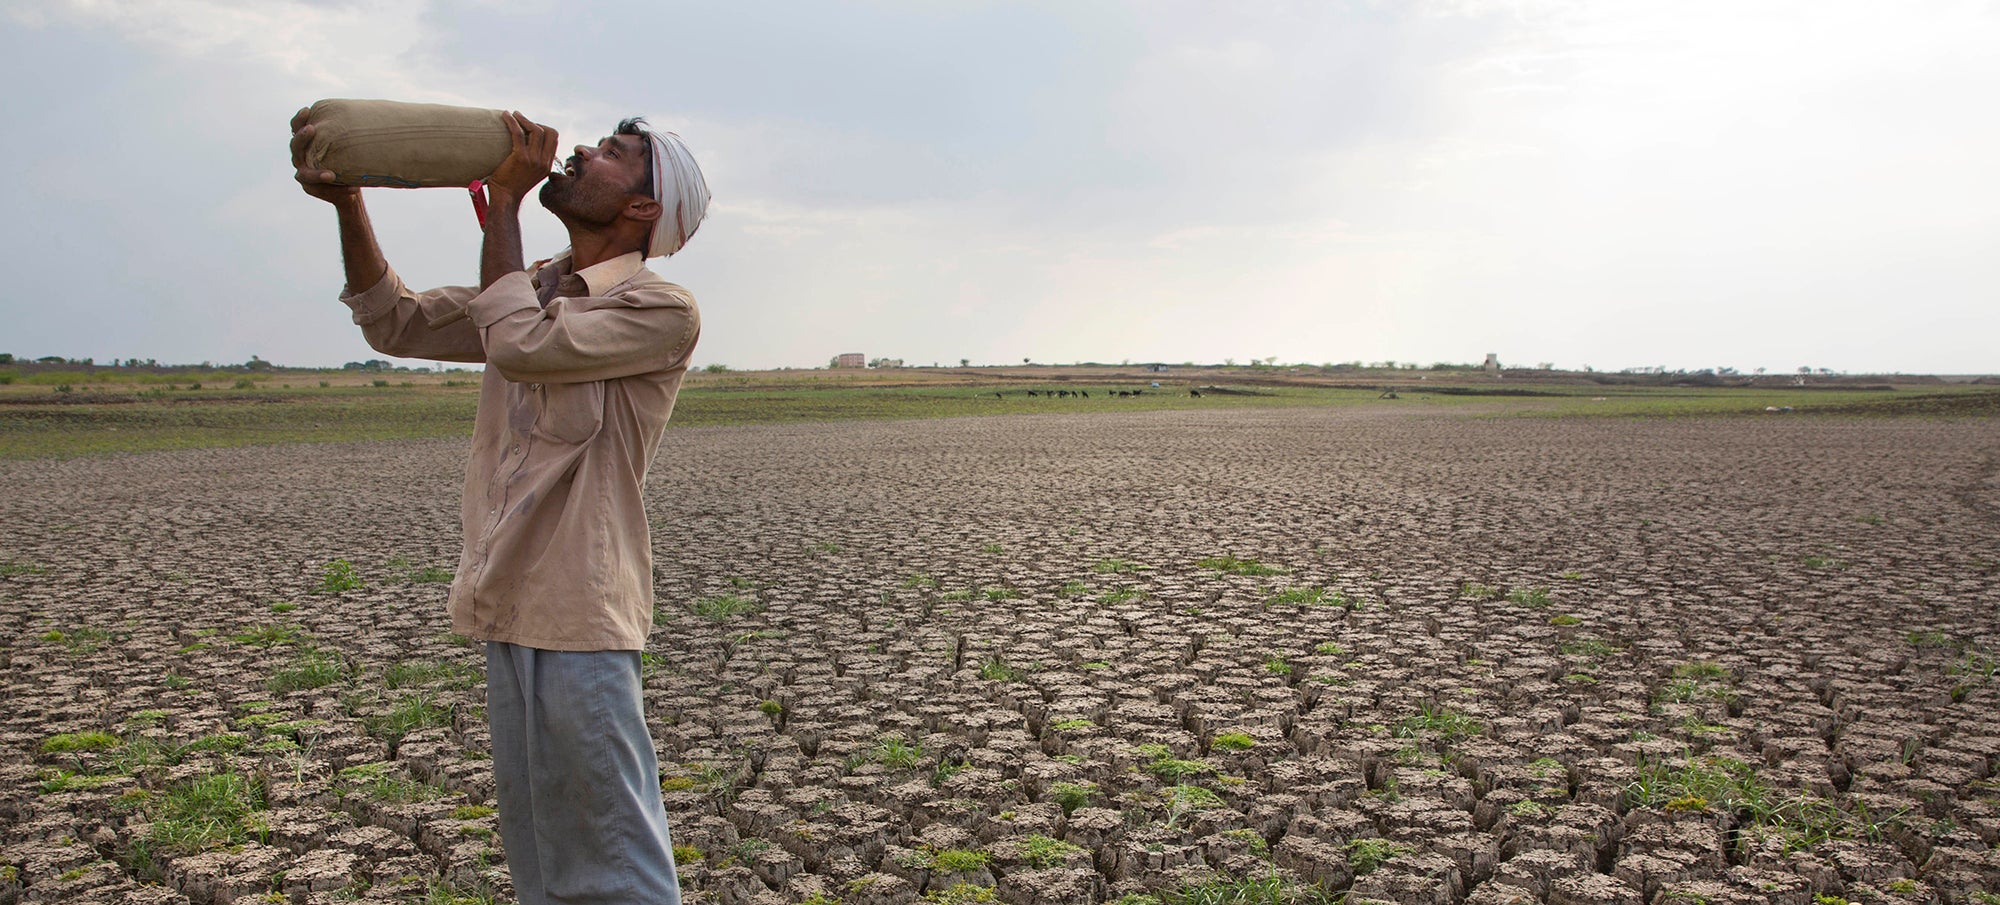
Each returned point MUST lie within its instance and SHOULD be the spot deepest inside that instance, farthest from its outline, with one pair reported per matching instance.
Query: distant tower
(1493, 363)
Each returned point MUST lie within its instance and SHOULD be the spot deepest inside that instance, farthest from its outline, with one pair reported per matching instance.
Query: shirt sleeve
(577, 340)
(431, 324)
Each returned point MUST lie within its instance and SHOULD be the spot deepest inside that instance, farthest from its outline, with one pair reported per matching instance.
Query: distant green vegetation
(63, 414)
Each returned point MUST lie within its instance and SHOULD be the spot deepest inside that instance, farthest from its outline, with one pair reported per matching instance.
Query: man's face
(595, 184)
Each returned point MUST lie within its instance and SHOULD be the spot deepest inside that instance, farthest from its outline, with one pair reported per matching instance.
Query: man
(584, 355)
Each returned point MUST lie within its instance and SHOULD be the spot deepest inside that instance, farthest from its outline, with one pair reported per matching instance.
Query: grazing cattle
(1086, 393)
(1033, 393)
(1195, 393)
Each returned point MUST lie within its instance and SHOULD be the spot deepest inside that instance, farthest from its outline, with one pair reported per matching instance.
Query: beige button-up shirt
(581, 374)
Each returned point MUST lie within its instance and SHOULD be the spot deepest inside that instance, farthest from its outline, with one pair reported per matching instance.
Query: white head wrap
(680, 190)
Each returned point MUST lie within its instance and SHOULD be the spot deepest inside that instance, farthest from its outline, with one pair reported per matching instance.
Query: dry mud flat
(1243, 656)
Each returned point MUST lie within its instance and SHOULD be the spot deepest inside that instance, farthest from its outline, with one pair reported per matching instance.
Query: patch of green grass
(9, 569)
(336, 577)
(312, 667)
(269, 635)
(959, 859)
(894, 751)
(1073, 588)
(408, 572)
(1478, 591)
(1591, 647)
(1250, 839)
(1307, 596)
(1270, 889)
(1162, 763)
(1073, 725)
(960, 894)
(409, 713)
(1531, 597)
(1184, 798)
(1930, 639)
(725, 606)
(1042, 852)
(991, 549)
(919, 580)
(999, 592)
(54, 779)
(995, 668)
(1329, 648)
(1120, 595)
(1714, 782)
(1367, 854)
(385, 786)
(1275, 663)
(1072, 795)
(1528, 810)
(1702, 670)
(1230, 565)
(70, 742)
(1232, 741)
(1115, 565)
(81, 639)
(203, 813)
(1444, 722)
(1564, 619)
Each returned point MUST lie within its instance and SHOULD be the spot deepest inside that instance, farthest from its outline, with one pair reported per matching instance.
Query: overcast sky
(1615, 184)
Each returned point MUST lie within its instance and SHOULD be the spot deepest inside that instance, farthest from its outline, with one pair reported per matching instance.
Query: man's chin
(552, 193)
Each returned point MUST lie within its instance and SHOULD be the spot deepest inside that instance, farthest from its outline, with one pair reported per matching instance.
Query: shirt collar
(598, 278)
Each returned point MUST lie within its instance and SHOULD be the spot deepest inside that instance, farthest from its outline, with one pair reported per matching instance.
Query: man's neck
(591, 249)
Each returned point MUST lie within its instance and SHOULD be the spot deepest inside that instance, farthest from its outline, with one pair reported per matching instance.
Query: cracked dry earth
(1059, 659)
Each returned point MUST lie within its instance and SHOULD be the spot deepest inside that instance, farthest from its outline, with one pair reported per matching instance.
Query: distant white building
(1492, 363)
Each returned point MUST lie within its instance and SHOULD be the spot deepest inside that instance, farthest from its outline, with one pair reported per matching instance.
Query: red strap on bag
(478, 190)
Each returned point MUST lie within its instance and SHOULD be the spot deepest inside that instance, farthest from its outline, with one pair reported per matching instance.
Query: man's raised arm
(359, 252)
(394, 320)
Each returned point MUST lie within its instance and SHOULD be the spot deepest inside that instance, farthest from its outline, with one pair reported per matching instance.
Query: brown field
(1030, 659)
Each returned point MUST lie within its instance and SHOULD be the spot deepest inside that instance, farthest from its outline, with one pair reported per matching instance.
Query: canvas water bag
(390, 143)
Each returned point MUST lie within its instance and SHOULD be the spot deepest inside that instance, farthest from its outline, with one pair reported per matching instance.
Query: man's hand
(317, 183)
(534, 152)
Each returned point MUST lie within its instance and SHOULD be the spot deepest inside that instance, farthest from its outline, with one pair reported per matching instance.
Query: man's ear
(642, 209)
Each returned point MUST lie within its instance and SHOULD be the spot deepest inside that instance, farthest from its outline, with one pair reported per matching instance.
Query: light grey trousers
(577, 782)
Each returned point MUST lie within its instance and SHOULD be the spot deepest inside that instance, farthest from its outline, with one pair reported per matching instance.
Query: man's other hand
(317, 183)
(534, 152)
